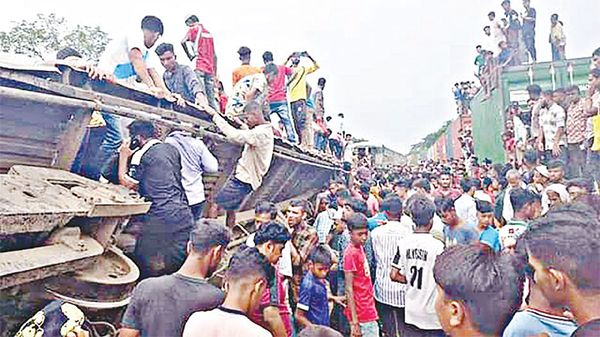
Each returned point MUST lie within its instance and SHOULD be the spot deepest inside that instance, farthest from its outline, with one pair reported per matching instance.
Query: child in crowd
(313, 305)
(360, 311)
(489, 236)
(469, 301)
(413, 266)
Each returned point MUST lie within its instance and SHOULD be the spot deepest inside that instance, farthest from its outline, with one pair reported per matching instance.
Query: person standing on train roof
(245, 69)
(203, 50)
(297, 91)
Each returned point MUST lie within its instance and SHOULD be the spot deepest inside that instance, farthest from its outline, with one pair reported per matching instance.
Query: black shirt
(157, 168)
(160, 306)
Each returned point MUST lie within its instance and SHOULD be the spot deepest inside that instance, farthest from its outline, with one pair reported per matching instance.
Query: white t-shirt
(415, 259)
(115, 58)
(498, 35)
(509, 233)
(222, 322)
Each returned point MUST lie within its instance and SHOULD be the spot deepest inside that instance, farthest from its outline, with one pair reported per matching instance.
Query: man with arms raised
(160, 306)
(276, 77)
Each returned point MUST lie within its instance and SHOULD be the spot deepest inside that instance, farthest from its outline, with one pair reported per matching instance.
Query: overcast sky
(390, 65)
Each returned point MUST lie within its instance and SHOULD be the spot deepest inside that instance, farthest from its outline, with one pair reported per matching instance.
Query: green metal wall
(488, 115)
(487, 126)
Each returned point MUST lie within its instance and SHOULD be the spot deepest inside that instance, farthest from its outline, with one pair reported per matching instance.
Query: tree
(89, 41)
(48, 34)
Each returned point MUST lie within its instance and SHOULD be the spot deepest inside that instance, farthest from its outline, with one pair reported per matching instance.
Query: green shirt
(480, 61)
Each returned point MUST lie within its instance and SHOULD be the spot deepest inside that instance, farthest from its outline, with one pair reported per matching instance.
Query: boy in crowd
(249, 273)
(455, 230)
(527, 206)
(273, 312)
(313, 306)
(161, 305)
(489, 235)
(389, 295)
(563, 251)
(413, 266)
(360, 311)
(470, 302)
(540, 317)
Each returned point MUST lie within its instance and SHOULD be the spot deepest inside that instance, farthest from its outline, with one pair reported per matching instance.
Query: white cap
(543, 170)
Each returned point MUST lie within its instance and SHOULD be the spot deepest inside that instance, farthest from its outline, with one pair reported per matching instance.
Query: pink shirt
(277, 85)
(275, 296)
(373, 204)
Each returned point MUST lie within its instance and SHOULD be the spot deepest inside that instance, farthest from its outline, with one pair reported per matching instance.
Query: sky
(390, 65)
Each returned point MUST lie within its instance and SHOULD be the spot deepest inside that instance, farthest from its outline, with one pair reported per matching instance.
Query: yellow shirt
(297, 84)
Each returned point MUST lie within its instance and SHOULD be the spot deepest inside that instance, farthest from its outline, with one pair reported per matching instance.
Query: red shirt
(355, 260)
(223, 102)
(275, 297)
(453, 193)
(277, 85)
(205, 61)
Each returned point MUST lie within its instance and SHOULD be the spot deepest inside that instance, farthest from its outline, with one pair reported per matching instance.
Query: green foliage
(430, 139)
(45, 36)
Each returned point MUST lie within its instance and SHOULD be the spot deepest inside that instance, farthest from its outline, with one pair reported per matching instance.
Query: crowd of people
(295, 109)
(559, 124)
(463, 94)
(440, 248)
(510, 41)
(435, 249)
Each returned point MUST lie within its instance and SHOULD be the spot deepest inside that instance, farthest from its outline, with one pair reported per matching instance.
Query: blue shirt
(376, 221)
(531, 322)
(463, 235)
(491, 238)
(313, 300)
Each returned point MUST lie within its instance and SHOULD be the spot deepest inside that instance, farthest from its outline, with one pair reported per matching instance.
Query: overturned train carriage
(55, 223)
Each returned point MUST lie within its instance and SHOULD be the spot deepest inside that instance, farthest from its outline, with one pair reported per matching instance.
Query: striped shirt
(385, 243)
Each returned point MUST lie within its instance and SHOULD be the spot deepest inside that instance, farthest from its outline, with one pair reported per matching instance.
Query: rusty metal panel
(24, 266)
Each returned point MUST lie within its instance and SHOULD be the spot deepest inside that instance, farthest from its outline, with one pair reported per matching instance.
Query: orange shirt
(243, 71)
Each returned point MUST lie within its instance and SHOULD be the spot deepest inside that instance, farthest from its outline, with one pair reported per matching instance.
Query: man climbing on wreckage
(154, 170)
(256, 135)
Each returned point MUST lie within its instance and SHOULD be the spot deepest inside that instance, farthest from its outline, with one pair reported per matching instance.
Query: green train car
(488, 114)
